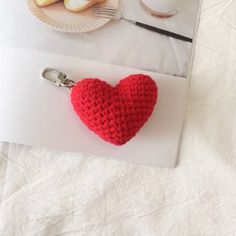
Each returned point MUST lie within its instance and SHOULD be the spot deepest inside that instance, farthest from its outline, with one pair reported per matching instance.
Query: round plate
(59, 18)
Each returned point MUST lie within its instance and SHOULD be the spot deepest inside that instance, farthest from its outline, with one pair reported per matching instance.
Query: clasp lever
(57, 78)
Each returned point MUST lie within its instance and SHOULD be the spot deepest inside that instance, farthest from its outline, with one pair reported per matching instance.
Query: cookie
(43, 3)
(80, 5)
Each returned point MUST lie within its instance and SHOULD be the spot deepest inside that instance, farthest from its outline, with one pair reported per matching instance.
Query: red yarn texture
(117, 113)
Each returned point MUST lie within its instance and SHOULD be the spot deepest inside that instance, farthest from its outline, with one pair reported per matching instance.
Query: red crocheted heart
(116, 114)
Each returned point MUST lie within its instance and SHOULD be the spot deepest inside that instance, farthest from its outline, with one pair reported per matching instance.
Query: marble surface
(48, 193)
(118, 43)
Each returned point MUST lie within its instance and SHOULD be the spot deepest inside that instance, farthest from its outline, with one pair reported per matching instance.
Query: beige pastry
(80, 5)
(43, 3)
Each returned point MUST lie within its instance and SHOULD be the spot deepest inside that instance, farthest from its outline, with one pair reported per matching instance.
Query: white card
(34, 112)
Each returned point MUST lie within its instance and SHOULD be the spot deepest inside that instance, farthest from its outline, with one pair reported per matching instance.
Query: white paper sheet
(36, 113)
(168, 56)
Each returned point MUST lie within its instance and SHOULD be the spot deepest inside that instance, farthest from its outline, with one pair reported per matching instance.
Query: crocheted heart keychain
(117, 113)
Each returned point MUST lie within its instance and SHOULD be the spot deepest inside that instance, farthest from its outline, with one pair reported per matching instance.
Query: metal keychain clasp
(57, 78)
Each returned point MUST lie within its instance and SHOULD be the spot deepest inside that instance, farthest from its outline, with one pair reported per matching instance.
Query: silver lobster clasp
(57, 78)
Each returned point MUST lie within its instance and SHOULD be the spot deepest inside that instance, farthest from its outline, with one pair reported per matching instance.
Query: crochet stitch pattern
(117, 113)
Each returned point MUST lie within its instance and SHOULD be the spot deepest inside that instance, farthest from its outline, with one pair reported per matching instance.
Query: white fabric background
(48, 193)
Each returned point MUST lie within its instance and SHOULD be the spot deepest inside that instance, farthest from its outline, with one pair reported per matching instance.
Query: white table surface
(48, 193)
(118, 43)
